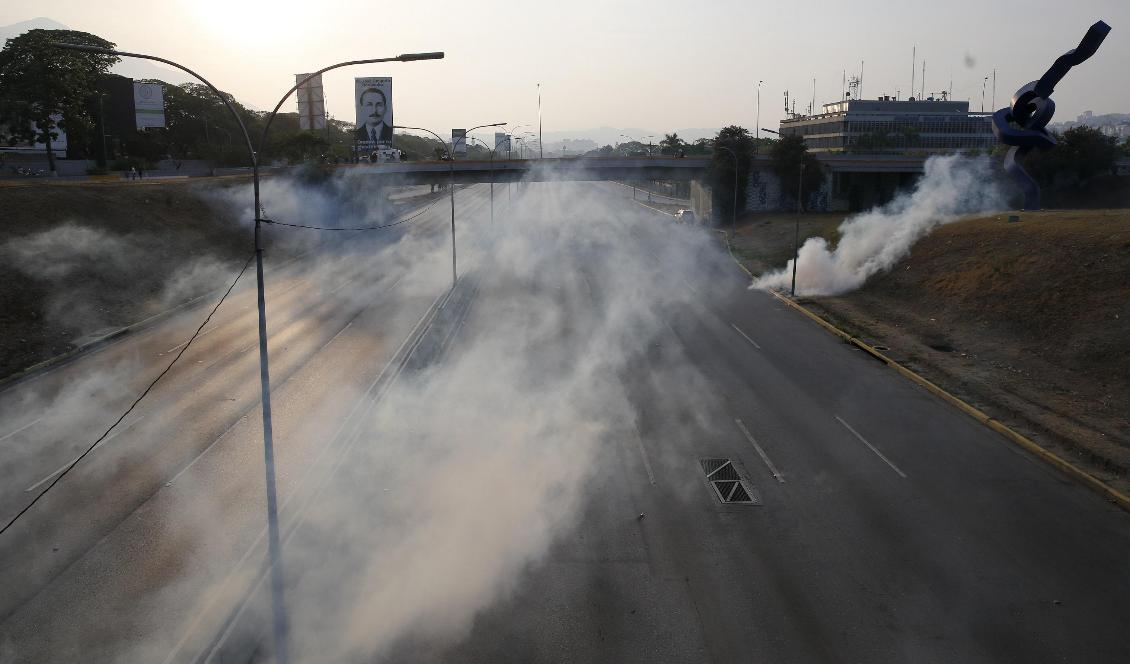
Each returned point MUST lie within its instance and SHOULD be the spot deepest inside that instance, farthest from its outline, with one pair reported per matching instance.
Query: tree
(672, 144)
(731, 142)
(1082, 153)
(701, 146)
(788, 155)
(632, 149)
(44, 88)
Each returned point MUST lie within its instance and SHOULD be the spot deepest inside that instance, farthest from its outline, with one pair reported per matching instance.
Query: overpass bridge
(541, 170)
(676, 169)
(853, 182)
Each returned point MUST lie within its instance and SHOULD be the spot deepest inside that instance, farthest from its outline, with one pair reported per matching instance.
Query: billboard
(148, 105)
(501, 142)
(311, 102)
(373, 97)
(459, 141)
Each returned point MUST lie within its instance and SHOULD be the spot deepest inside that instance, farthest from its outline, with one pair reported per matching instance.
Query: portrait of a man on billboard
(374, 112)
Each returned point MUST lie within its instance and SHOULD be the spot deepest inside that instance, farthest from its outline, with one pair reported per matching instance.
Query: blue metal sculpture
(1022, 125)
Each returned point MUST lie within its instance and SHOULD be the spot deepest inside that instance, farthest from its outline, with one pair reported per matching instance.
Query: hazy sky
(659, 65)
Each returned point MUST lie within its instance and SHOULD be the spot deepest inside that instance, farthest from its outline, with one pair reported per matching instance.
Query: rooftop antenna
(843, 87)
(812, 106)
(994, 88)
(922, 90)
(861, 79)
(913, 68)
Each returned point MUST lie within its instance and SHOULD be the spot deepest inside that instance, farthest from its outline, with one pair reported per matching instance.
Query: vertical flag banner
(311, 102)
(459, 141)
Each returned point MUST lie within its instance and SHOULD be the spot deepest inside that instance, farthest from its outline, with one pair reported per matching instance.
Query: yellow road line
(1065, 466)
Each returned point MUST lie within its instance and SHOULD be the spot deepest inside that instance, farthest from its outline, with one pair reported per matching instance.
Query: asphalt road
(109, 542)
(511, 472)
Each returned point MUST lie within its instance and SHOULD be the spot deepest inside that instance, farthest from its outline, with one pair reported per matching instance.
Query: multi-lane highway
(516, 471)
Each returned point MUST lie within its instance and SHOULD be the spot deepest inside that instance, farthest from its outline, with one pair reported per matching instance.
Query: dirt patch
(764, 241)
(1028, 321)
(79, 260)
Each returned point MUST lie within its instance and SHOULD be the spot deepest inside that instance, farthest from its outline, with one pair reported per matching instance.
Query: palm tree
(671, 144)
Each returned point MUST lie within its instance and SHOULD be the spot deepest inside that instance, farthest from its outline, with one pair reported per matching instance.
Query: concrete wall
(764, 193)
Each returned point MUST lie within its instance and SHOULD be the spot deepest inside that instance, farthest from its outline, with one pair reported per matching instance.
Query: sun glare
(249, 23)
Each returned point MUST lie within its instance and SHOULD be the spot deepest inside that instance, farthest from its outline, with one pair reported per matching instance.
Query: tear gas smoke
(475, 461)
(872, 242)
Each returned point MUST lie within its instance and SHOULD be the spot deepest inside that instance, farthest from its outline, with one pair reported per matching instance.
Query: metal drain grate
(727, 482)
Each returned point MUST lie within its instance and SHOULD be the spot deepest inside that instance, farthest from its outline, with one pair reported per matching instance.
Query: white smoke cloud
(58, 253)
(872, 242)
(471, 468)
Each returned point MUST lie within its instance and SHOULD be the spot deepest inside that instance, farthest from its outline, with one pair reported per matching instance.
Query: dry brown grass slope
(1029, 321)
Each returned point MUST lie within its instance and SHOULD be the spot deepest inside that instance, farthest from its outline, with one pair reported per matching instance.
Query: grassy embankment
(1028, 321)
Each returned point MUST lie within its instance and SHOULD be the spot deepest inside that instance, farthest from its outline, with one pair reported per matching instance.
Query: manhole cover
(729, 486)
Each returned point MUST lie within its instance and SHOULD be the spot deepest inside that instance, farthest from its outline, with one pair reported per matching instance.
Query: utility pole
(102, 130)
(280, 622)
(757, 122)
(994, 105)
(796, 233)
(541, 155)
(913, 68)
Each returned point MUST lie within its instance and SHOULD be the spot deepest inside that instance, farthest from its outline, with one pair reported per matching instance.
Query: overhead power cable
(133, 405)
(354, 228)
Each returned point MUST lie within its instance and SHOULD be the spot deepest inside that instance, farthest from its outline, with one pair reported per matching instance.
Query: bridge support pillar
(702, 200)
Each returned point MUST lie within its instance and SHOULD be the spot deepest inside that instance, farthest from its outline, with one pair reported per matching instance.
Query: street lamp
(279, 615)
(101, 130)
(492, 151)
(757, 122)
(451, 190)
(648, 143)
(510, 134)
(450, 186)
(524, 137)
(513, 131)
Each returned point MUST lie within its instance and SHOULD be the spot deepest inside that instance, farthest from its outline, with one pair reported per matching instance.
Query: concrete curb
(654, 209)
(1063, 465)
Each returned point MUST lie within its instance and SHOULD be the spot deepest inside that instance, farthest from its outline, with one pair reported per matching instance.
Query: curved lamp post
(512, 132)
(492, 151)
(451, 185)
(450, 188)
(279, 613)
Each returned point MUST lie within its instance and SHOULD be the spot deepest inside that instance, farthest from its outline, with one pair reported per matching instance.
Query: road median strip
(1071, 470)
